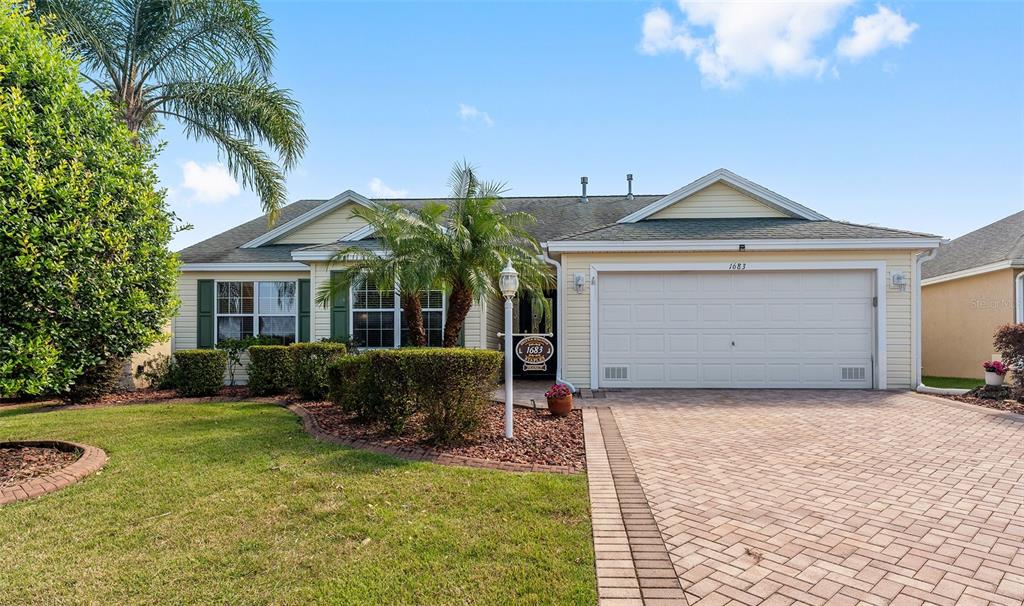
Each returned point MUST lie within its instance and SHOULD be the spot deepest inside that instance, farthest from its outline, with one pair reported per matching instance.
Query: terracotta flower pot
(560, 407)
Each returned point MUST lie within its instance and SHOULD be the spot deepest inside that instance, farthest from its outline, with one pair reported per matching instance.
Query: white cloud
(872, 33)
(730, 41)
(470, 114)
(380, 190)
(209, 183)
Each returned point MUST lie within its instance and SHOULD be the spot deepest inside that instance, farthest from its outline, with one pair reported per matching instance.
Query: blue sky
(908, 115)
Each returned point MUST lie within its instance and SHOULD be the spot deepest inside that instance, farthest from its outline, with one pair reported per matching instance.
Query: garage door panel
(734, 329)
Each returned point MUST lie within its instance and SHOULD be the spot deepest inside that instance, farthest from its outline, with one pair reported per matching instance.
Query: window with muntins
(376, 314)
(265, 309)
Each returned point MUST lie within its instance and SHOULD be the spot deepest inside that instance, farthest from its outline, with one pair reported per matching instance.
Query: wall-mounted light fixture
(577, 283)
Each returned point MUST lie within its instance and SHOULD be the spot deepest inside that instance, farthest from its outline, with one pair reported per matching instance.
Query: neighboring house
(722, 283)
(973, 285)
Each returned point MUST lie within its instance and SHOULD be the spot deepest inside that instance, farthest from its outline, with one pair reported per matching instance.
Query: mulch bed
(540, 438)
(22, 463)
(1006, 405)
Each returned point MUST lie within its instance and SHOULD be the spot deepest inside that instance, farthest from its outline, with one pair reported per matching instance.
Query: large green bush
(309, 364)
(200, 371)
(450, 387)
(1009, 342)
(270, 369)
(85, 270)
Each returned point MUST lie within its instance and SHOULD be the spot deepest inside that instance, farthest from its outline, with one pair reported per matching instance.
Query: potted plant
(559, 400)
(995, 371)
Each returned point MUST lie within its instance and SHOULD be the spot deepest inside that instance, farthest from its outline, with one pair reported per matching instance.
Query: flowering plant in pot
(994, 372)
(559, 400)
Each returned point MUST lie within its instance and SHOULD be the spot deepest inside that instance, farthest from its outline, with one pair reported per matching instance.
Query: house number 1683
(737, 266)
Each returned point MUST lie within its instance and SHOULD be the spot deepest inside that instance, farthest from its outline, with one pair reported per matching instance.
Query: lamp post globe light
(508, 283)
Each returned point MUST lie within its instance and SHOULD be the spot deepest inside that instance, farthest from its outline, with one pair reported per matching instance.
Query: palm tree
(204, 63)
(397, 261)
(469, 250)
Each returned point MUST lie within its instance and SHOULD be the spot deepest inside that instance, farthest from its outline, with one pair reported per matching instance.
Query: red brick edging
(91, 460)
(313, 428)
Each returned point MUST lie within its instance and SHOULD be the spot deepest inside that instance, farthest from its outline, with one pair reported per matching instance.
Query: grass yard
(235, 504)
(952, 382)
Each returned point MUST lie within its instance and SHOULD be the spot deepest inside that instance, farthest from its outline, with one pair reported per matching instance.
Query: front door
(535, 316)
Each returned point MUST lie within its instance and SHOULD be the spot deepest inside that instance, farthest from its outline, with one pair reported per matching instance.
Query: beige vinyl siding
(185, 324)
(899, 328)
(327, 228)
(717, 201)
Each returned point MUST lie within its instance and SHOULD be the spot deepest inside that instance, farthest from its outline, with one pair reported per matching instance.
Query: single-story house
(721, 283)
(973, 285)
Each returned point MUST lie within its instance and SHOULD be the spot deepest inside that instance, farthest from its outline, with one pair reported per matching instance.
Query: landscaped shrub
(309, 364)
(1009, 342)
(346, 383)
(160, 372)
(454, 387)
(450, 386)
(86, 273)
(200, 371)
(270, 369)
(96, 382)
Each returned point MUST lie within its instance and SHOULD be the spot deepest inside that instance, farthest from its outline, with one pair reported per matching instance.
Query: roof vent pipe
(629, 185)
(583, 182)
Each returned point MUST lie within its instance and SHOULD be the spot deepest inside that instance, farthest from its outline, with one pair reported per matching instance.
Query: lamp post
(508, 282)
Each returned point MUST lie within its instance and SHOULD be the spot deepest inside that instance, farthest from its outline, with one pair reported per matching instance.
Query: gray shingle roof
(558, 218)
(999, 241)
(732, 229)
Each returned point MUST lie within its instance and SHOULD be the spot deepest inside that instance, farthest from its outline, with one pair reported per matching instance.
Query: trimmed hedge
(309, 367)
(450, 387)
(270, 369)
(200, 371)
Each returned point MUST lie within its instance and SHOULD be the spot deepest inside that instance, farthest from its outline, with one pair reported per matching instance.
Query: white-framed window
(257, 308)
(377, 320)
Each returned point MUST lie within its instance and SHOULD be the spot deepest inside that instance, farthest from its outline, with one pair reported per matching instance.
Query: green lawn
(235, 504)
(952, 382)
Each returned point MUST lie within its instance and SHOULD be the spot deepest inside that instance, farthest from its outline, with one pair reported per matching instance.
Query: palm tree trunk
(459, 303)
(414, 319)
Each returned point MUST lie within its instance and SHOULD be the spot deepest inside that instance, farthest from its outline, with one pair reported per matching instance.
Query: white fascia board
(323, 255)
(283, 266)
(758, 192)
(973, 271)
(733, 245)
(1020, 297)
(342, 198)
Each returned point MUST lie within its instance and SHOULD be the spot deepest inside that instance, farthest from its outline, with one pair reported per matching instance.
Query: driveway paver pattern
(829, 497)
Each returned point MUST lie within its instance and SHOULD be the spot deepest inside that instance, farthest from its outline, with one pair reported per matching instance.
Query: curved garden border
(419, 454)
(91, 460)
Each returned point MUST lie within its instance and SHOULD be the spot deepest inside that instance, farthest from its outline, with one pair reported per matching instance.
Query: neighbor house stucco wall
(959, 318)
(899, 327)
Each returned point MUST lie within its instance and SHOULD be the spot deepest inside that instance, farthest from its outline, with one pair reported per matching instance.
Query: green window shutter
(339, 312)
(304, 306)
(206, 299)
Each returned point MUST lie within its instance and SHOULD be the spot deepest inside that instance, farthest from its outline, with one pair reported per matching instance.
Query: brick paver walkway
(814, 497)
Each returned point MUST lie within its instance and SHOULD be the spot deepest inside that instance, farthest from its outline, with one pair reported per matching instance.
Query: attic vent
(854, 373)
(616, 373)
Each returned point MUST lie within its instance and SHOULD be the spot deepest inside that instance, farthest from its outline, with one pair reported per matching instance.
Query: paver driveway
(781, 497)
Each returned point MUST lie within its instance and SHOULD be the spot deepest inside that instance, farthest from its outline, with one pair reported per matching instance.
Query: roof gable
(331, 217)
(722, 194)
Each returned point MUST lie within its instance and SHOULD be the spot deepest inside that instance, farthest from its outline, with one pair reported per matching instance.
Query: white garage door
(736, 329)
